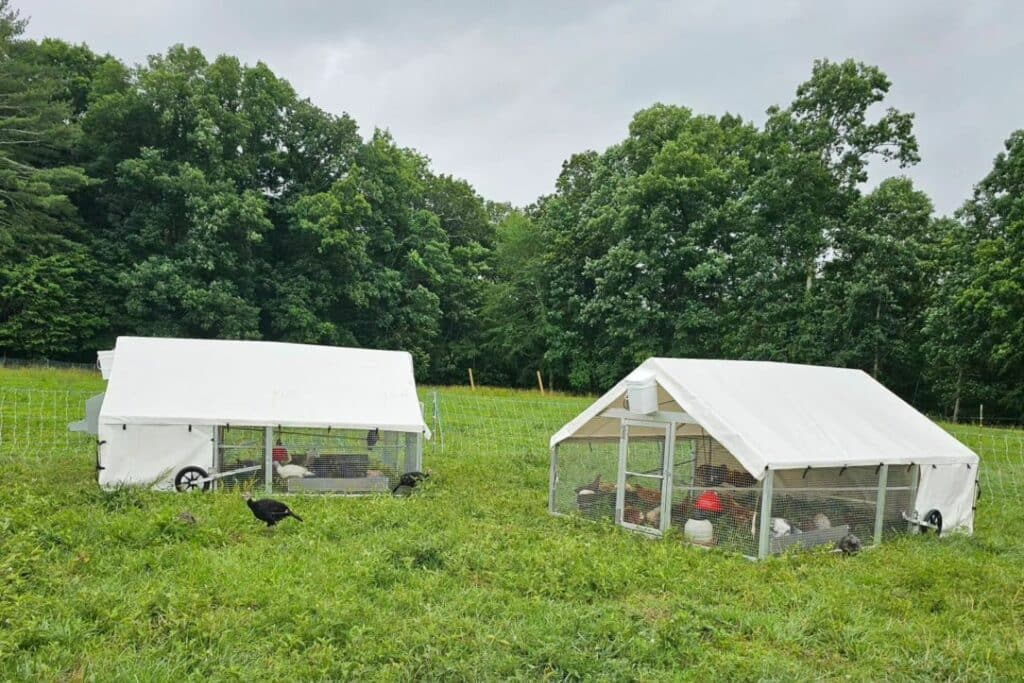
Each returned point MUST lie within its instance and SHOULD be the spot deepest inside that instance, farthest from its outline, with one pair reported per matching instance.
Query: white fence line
(33, 423)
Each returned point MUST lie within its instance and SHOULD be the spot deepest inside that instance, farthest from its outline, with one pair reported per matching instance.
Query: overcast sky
(502, 96)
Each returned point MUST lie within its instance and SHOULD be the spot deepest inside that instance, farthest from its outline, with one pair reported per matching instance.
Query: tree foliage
(191, 197)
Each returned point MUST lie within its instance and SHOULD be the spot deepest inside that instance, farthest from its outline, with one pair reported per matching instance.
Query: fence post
(883, 481)
(981, 414)
(472, 384)
(767, 485)
(268, 459)
(438, 417)
(914, 474)
(553, 480)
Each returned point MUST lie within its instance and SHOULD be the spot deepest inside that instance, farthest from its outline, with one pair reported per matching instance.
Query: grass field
(469, 579)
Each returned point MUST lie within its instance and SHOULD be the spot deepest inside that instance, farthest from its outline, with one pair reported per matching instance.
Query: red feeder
(708, 502)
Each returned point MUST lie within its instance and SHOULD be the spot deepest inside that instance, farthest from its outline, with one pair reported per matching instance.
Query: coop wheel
(933, 518)
(191, 479)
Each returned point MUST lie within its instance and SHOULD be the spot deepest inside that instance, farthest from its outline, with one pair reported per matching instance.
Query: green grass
(469, 579)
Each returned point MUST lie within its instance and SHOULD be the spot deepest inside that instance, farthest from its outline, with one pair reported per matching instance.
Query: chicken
(740, 515)
(269, 510)
(372, 437)
(781, 527)
(643, 494)
(291, 471)
(186, 518)
(821, 521)
(632, 515)
(710, 475)
(594, 486)
(849, 544)
(408, 481)
(739, 479)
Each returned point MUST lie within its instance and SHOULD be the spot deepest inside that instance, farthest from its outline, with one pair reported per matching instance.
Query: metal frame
(659, 416)
(553, 481)
(215, 442)
(665, 477)
(915, 475)
(764, 529)
(883, 480)
(268, 459)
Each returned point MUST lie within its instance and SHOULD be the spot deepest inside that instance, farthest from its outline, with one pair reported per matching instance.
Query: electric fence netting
(514, 425)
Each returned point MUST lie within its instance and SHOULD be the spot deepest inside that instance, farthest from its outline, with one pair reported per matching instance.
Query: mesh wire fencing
(6, 362)
(495, 426)
(34, 424)
(1001, 452)
(818, 506)
(340, 460)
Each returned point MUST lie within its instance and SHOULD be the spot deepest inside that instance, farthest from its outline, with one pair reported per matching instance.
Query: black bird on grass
(849, 544)
(269, 510)
(408, 482)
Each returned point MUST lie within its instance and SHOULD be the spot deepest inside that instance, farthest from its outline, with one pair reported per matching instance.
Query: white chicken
(291, 471)
(779, 527)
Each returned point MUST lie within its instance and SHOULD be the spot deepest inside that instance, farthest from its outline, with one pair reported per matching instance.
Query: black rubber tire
(187, 479)
(933, 517)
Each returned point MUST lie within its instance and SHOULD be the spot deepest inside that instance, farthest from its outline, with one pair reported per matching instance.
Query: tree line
(198, 198)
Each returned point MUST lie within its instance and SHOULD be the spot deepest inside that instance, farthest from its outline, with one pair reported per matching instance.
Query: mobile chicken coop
(758, 456)
(195, 414)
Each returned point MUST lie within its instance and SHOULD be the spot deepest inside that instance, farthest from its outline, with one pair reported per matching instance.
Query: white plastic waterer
(699, 531)
(642, 393)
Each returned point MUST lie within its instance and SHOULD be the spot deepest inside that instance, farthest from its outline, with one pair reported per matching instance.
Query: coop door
(643, 493)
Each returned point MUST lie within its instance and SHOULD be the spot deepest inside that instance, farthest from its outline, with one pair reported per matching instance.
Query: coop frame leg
(883, 482)
(764, 537)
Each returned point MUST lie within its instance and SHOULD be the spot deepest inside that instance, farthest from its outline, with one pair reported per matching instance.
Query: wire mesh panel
(586, 472)
(818, 506)
(644, 479)
(341, 460)
(239, 458)
(34, 424)
(898, 500)
(714, 499)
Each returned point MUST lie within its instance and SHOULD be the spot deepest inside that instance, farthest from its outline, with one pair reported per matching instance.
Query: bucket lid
(708, 502)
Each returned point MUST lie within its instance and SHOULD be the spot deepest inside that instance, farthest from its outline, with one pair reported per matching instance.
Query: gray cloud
(501, 96)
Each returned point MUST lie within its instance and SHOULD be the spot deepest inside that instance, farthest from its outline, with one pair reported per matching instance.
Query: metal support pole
(440, 421)
(667, 485)
(436, 432)
(268, 459)
(419, 452)
(620, 488)
(553, 480)
(883, 481)
(767, 486)
(215, 443)
(915, 473)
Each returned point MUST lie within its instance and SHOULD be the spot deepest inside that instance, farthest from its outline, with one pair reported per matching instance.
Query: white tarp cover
(105, 359)
(783, 416)
(152, 454)
(158, 381)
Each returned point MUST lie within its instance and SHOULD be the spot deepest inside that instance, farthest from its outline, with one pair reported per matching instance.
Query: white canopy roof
(201, 381)
(782, 416)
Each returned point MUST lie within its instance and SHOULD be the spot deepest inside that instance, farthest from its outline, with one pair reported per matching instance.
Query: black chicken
(269, 510)
(408, 482)
(849, 544)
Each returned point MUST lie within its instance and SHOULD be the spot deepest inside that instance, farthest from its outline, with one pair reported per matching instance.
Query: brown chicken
(632, 515)
(649, 497)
